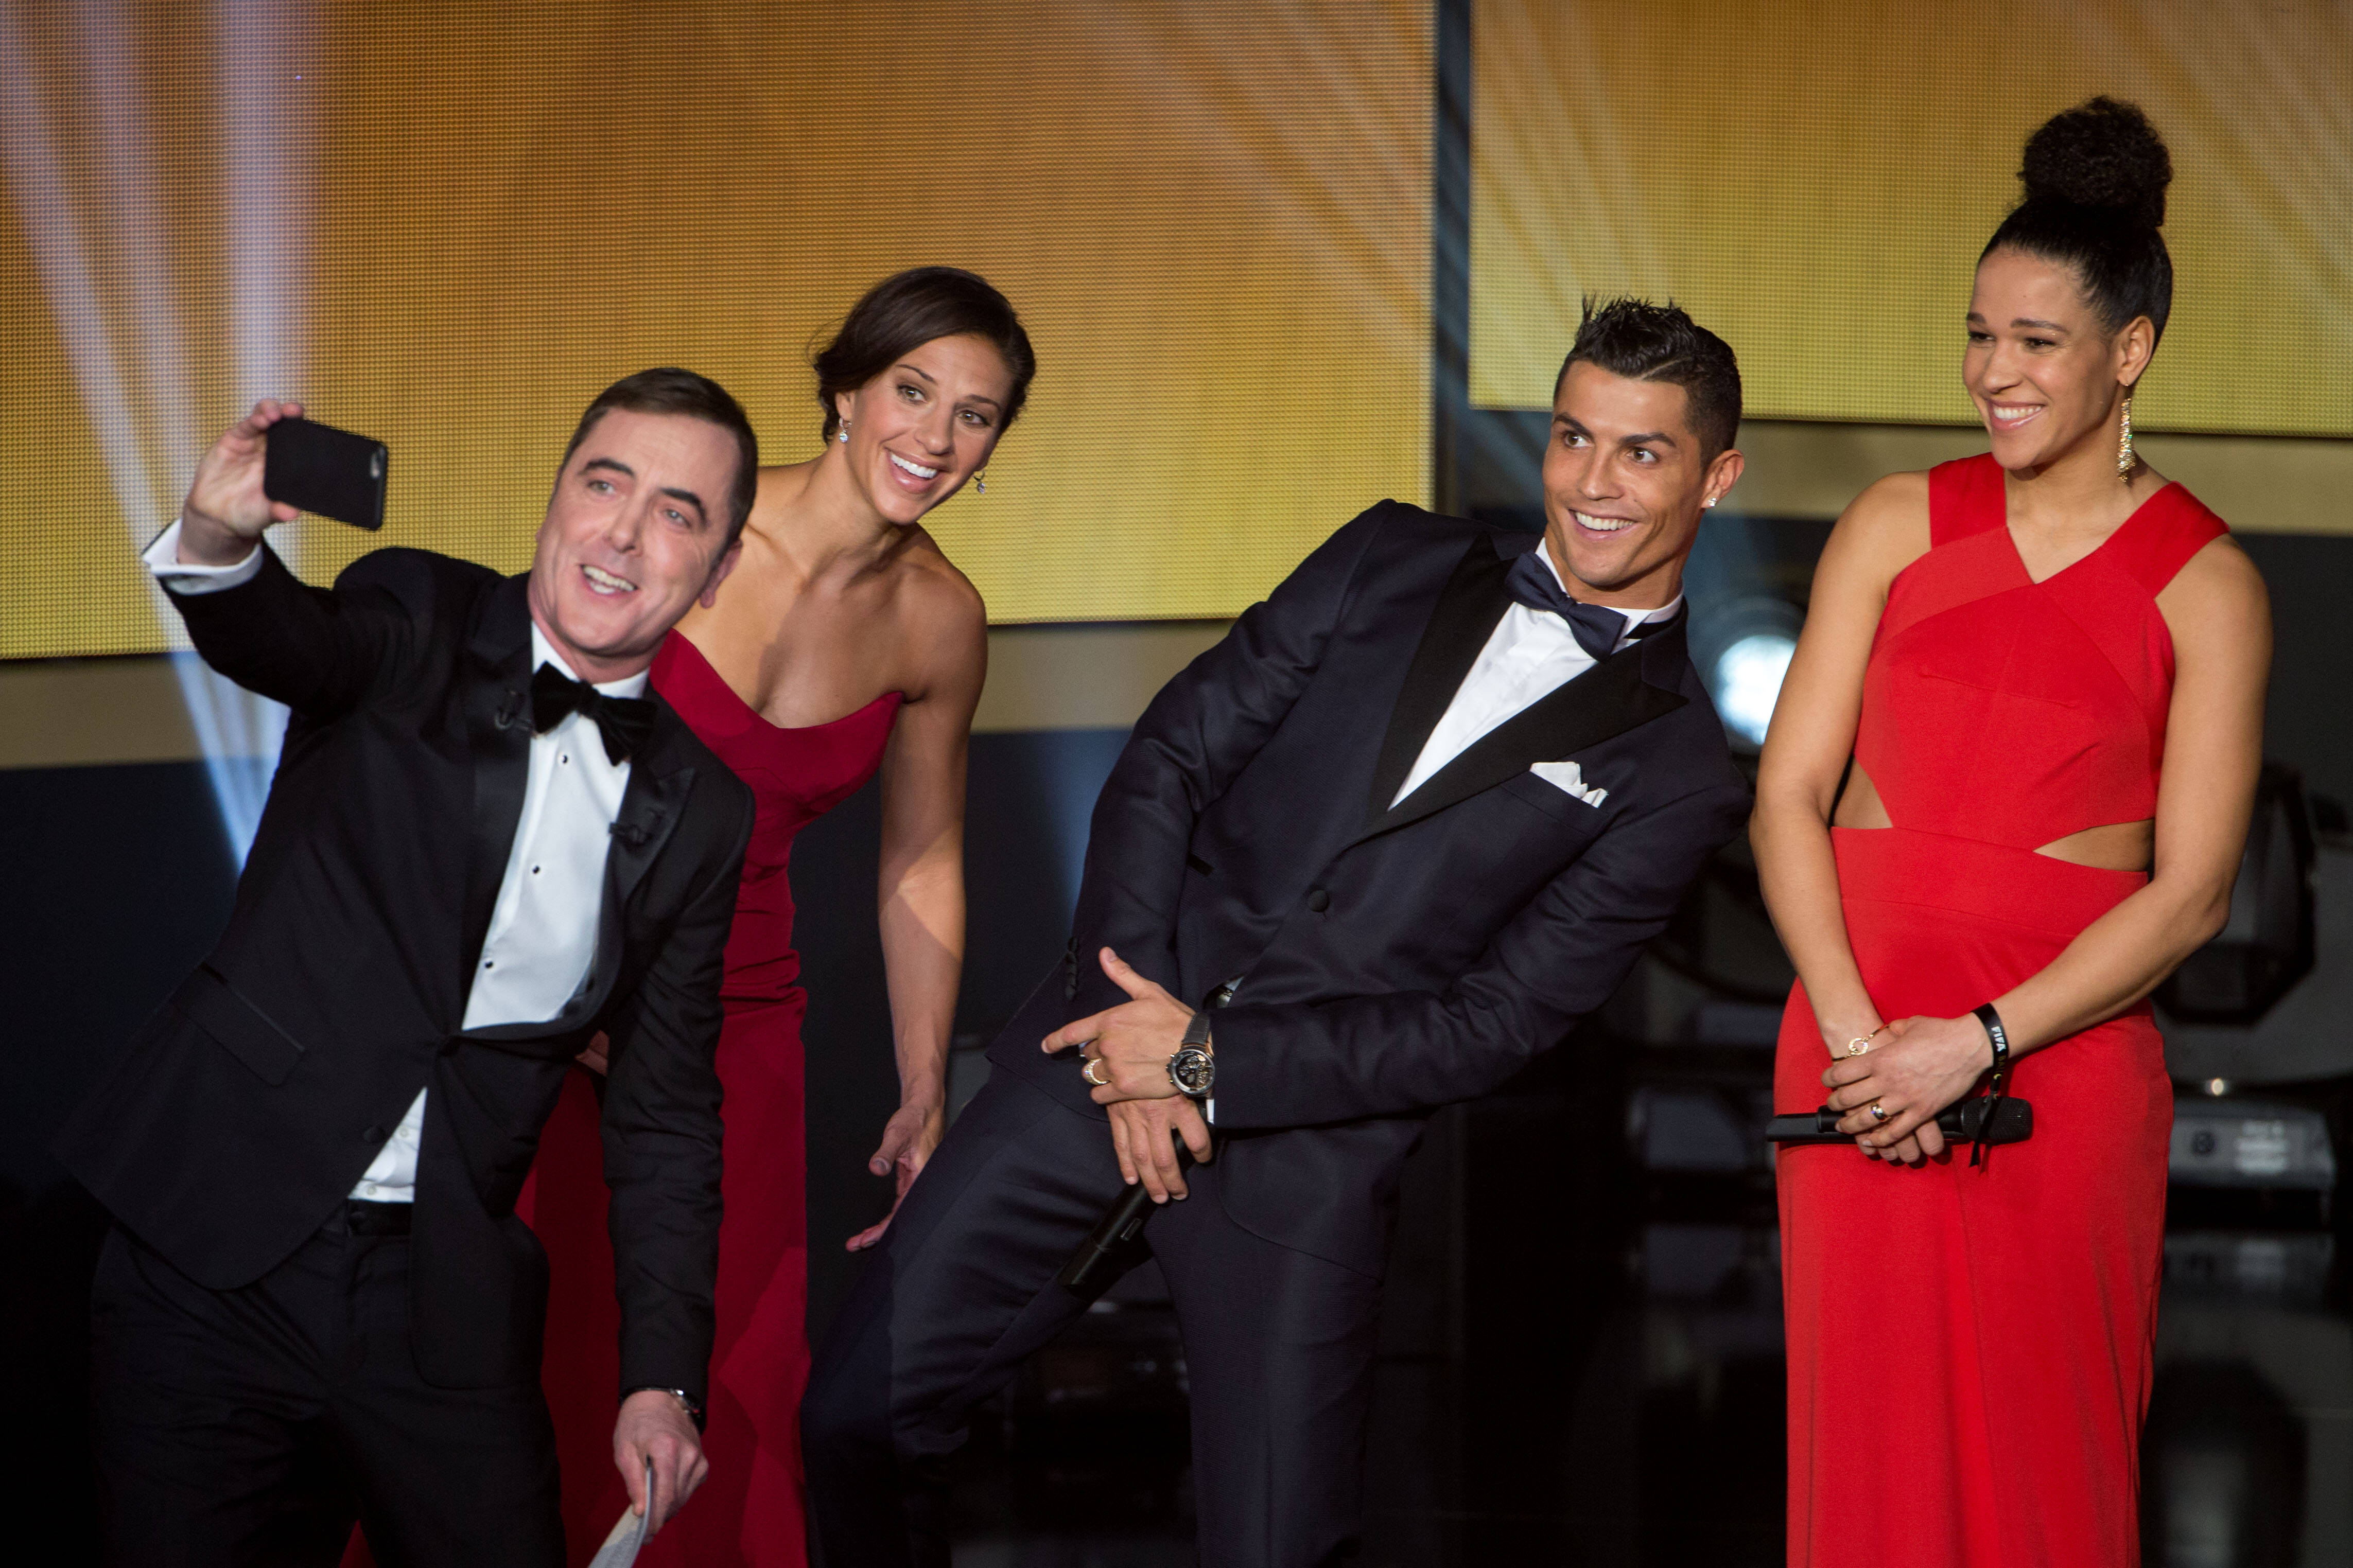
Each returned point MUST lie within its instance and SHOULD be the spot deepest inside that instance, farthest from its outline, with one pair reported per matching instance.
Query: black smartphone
(2013, 1123)
(325, 471)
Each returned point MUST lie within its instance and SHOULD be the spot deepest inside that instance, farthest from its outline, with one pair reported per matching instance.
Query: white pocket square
(1566, 776)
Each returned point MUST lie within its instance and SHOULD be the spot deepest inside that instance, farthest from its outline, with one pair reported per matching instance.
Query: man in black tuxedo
(1395, 834)
(484, 844)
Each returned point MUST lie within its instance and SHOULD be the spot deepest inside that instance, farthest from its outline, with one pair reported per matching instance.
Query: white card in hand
(620, 1548)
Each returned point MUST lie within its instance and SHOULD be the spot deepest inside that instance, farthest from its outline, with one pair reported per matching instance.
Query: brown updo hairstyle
(2094, 178)
(909, 309)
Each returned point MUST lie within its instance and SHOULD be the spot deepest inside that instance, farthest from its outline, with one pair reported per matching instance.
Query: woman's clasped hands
(1909, 1071)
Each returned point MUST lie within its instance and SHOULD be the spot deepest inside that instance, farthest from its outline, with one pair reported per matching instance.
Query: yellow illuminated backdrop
(1212, 217)
(1814, 181)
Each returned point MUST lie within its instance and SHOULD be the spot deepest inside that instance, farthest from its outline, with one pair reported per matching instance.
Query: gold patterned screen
(1814, 182)
(449, 224)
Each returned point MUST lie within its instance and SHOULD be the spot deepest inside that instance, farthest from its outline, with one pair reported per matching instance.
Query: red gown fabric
(1970, 1347)
(750, 1509)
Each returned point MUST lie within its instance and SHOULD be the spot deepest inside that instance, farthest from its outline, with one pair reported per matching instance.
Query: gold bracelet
(1862, 1043)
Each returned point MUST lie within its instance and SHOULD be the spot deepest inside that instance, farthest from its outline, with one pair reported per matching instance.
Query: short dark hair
(668, 390)
(2094, 178)
(909, 309)
(1643, 341)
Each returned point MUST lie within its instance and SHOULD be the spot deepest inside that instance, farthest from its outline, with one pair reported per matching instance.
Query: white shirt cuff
(162, 558)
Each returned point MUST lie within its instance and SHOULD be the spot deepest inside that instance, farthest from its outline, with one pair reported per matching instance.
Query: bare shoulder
(1882, 531)
(946, 619)
(2218, 591)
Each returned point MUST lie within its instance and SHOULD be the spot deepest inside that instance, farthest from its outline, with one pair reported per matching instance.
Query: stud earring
(2125, 458)
(844, 434)
(980, 481)
(1709, 501)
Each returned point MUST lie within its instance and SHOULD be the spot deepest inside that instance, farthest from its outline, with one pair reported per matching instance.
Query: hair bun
(2103, 153)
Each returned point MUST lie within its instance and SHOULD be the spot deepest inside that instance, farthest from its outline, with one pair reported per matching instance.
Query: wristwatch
(1193, 1069)
(686, 1401)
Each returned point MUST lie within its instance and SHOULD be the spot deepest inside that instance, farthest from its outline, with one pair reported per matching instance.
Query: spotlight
(1747, 682)
(1742, 646)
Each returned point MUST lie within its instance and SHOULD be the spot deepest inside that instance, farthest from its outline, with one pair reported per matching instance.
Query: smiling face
(635, 534)
(925, 425)
(1625, 482)
(2045, 376)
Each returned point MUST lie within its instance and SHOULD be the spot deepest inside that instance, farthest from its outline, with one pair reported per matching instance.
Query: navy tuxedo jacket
(1391, 960)
(248, 1107)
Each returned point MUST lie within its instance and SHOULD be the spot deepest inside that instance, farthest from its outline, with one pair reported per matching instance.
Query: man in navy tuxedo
(1394, 836)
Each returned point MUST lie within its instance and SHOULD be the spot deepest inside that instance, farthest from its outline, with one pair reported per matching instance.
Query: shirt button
(373, 1135)
(490, 963)
(1318, 901)
(534, 870)
(368, 1187)
(562, 756)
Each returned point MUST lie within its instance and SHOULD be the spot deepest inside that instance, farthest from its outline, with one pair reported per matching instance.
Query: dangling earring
(2125, 458)
(844, 435)
(980, 481)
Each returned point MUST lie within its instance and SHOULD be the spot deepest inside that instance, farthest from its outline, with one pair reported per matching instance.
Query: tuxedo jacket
(248, 1107)
(1391, 959)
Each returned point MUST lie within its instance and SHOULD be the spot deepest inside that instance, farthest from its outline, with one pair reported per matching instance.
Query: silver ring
(1877, 1114)
(1087, 1071)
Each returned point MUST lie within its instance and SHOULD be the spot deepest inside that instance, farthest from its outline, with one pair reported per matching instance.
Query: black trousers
(1278, 1347)
(252, 1427)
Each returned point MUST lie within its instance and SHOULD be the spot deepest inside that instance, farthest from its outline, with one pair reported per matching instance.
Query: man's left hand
(654, 1425)
(1132, 1041)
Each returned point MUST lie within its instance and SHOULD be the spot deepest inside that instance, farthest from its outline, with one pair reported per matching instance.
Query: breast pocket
(238, 1027)
(1554, 805)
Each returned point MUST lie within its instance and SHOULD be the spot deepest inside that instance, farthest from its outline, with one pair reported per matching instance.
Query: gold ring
(1877, 1112)
(1087, 1071)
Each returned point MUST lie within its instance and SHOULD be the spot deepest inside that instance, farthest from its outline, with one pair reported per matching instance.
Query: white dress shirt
(1530, 655)
(542, 931)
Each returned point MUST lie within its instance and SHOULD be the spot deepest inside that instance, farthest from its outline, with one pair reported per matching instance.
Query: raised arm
(921, 897)
(317, 652)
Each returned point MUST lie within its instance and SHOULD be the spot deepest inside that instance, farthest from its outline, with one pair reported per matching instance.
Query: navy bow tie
(1596, 627)
(623, 722)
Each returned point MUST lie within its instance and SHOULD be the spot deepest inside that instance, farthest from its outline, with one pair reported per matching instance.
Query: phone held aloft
(2013, 1123)
(322, 469)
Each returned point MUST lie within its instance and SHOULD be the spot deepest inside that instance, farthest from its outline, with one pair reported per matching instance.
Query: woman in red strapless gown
(2027, 678)
(844, 642)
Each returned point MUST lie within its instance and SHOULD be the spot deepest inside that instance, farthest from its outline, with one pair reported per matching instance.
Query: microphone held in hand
(1116, 1242)
(2013, 1122)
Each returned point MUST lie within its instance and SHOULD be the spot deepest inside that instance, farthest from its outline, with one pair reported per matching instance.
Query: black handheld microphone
(1116, 1242)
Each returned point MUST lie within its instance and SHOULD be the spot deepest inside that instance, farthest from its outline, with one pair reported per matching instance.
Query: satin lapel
(498, 733)
(651, 805)
(1624, 692)
(1473, 601)
(651, 808)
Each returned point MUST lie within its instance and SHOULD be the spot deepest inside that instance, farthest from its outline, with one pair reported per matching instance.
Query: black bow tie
(1596, 627)
(623, 722)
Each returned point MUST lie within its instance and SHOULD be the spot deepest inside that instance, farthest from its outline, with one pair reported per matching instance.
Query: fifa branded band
(1997, 1033)
(2000, 1079)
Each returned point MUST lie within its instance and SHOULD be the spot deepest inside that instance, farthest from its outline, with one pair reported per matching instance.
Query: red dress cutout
(749, 1510)
(1969, 1348)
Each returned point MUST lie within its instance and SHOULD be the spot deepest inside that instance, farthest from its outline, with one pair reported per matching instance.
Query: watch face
(1192, 1070)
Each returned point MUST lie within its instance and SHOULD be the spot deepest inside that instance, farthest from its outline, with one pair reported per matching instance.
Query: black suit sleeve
(1200, 732)
(1396, 1052)
(661, 1137)
(320, 652)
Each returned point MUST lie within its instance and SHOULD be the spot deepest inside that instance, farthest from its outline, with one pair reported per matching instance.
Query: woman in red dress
(844, 642)
(2005, 793)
